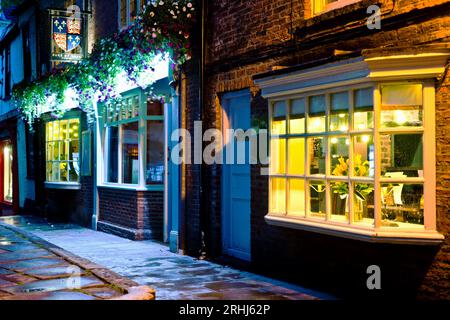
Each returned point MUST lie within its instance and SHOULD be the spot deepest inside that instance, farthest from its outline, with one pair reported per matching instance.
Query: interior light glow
(400, 117)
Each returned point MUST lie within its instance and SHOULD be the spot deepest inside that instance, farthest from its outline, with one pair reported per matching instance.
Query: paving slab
(172, 275)
(34, 269)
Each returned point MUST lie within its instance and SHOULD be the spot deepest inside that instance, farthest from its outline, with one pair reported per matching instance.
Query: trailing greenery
(162, 30)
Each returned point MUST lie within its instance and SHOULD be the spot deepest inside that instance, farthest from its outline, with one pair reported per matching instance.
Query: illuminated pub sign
(68, 38)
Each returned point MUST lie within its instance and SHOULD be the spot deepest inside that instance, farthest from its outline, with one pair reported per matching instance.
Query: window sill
(131, 187)
(383, 236)
(62, 186)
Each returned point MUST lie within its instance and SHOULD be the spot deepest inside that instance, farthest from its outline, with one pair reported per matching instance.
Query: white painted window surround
(366, 72)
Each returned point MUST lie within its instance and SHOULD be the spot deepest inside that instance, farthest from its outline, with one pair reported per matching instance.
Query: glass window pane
(49, 172)
(64, 175)
(277, 195)
(339, 155)
(402, 95)
(402, 205)
(130, 153)
(155, 108)
(402, 155)
(317, 155)
(317, 199)
(63, 152)
(278, 156)
(279, 118)
(363, 204)
(297, 116)
(133, 10)
(296, 151)
(123, 13)
(402, 106)
(316, 119)
(55, 172)
(113, 155)
(155, 152)
(363, 156)
(339, 113)
(296, 198)
(339, 201)
(363, 113)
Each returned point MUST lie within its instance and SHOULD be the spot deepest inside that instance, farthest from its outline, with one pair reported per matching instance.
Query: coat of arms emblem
(67, 33)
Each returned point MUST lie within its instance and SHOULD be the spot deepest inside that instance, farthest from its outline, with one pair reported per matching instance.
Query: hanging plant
(162, 30)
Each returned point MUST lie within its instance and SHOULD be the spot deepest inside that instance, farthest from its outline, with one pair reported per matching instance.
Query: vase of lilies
(360, 190)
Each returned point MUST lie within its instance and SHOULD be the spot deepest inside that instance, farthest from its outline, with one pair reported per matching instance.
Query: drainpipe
(204, 225)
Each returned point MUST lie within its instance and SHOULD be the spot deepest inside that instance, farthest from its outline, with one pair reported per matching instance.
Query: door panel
(236, 180)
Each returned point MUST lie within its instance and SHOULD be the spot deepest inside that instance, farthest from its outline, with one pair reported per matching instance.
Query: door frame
(225, 176)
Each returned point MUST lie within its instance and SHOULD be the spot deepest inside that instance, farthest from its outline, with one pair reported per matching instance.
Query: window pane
(64, 174)
(155, 152)
(402, 155)
(402, 95)
(363, 204)
(133, 9)
(402, 205)
(316, 155)
(297, 116)
(296, 151)
(402, 106)
(339, 113)
(363, 113)
(130, 153)
(339, 201)
(363, 156)
(317, 199)
(155, 108)
(279, 118)
(278, 156)
(55, 172)
(296, 197)
(278, 195)
(123, 13)
(339, 155)
(316, 120)
(113, 155)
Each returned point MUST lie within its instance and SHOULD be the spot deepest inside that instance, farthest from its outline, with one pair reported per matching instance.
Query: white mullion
(270, 156)
(377, 143)
(351, 168)
(119, 163)
(106, 152)
(429, 149)
(286, 145)
(328, 193)
(307, 164)
(142, 141)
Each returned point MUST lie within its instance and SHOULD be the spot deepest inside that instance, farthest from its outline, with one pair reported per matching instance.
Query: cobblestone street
(147, 263)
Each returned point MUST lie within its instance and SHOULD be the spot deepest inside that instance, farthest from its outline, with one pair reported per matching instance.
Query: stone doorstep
(133, 291)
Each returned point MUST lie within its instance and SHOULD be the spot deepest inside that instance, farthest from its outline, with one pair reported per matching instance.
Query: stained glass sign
(67, 38)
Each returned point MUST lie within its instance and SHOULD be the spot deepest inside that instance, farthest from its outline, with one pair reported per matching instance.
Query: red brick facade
(245, 38)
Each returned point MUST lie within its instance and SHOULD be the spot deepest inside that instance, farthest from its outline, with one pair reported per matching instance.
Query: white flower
(189, 5)
(161, 3)
(152, 14)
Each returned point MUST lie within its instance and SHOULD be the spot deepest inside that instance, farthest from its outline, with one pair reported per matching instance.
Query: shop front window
(324, 160)
(62, 151)
(135, 141)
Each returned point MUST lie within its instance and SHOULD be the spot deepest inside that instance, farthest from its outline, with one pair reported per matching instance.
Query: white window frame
(63, 184)
(376, 70)
(142, 119)
(128, 16)
(332, 6)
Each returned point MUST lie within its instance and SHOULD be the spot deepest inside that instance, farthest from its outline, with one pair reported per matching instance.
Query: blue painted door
(236, 179)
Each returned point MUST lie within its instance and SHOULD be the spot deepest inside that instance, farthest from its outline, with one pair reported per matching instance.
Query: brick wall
(250, 37)
(137, 215)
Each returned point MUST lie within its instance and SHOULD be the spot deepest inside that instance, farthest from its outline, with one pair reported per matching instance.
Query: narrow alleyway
(148, 263)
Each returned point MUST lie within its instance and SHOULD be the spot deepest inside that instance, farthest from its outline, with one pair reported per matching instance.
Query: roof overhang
(424, 65)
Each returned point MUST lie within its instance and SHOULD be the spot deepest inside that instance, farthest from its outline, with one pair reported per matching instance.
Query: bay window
(128, 11)
(62, 151)
(134, 142)
(350, 156)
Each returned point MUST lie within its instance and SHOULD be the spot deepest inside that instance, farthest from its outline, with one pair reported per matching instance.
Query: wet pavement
(30, 271)
(174, 277)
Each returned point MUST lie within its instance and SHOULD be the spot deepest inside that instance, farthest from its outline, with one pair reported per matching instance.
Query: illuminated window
(323, 157)
(63, 151)
(319, 6)
(128, 11)
(135, 140)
